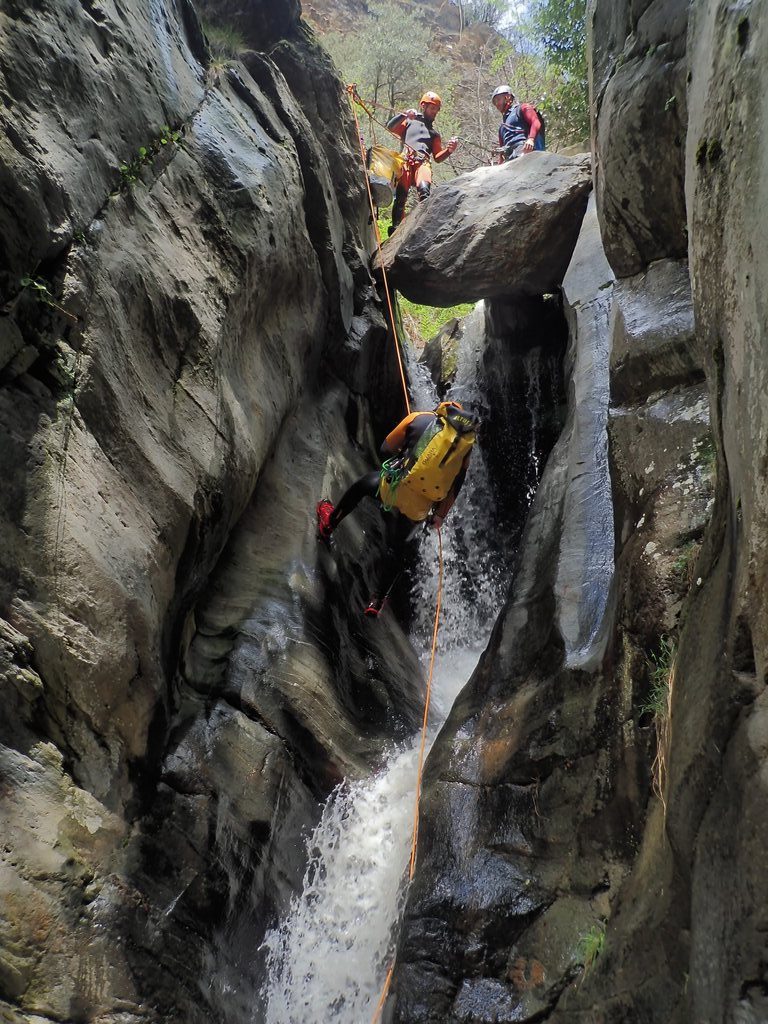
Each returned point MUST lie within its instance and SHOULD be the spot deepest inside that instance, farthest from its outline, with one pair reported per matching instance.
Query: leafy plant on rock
(131, 170)
(39, 288)
(591, 946)
(659, 704)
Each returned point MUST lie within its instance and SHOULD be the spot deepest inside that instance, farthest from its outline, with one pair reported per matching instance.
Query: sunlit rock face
(497, 231)
(719, 783)
(527, 781)
(639, 97)
(188, 333)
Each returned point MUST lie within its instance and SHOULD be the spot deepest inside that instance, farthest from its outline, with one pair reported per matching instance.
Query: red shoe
(375, 607)
(324, 512)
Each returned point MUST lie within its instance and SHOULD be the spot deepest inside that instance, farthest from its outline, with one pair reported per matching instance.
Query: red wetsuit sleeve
(534, 124)
(437, 149)
(395, 439)
(397, 125)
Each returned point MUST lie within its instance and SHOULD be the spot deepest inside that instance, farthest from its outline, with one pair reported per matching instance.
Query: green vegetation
(431, 318)
(388, 56)
(705, 453)
(40, 290)
(591, 945)
(661, 663)
(485, 12)
(393, 55)
(130, 171)
(225, 42)
(684, 562)
(561, 25)
(659, 704)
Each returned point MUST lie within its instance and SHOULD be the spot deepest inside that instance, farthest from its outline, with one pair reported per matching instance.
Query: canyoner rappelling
(425, 460)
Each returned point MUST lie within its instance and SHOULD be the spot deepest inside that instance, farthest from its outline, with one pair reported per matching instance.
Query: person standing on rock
(425, 460)
(421, 142)
(521, 130)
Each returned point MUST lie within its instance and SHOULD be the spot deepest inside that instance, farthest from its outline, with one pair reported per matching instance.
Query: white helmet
(501, 91)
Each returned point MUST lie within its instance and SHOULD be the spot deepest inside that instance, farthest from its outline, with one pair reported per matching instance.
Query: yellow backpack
(414, 484)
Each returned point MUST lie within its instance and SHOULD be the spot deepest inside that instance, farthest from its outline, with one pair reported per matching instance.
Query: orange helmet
(431, 97)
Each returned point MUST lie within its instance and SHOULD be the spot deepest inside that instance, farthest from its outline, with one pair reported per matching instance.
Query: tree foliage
(388, 56)
(394, 54)
(562, 27)
(484, 12)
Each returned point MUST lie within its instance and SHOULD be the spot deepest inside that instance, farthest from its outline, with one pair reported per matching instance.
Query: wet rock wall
(577, 833)
(188, 330)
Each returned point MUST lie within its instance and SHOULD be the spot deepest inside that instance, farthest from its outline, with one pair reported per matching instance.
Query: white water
(328, 958)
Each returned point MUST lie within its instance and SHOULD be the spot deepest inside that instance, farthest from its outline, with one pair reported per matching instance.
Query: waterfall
(328, 958)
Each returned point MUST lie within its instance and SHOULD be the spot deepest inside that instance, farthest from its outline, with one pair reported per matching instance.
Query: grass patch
(591, 946)
(224, 42)
(431, 318)
(705, 454)
(661, 667)
(659, 704)
(685, 561)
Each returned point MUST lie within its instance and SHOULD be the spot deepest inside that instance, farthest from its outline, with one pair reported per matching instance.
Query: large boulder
(497, 231)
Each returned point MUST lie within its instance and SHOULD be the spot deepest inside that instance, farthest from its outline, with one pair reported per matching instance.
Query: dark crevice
(743, 656)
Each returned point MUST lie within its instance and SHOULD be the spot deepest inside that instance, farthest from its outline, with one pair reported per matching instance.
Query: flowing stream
(328, 958)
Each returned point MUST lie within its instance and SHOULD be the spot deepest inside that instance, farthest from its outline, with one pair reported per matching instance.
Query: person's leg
(404, 183)
(424, 180)
(328, 517)
(401, 529)
(365, 487)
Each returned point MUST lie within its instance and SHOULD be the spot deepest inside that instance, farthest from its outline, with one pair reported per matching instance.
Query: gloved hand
(453, 143)
(411, 113)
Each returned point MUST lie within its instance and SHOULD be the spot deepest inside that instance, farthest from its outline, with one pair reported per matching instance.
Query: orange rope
(351, 92)
(412, 867)
(415, 836)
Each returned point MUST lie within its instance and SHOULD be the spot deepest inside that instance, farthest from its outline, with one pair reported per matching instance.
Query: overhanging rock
(496, 231)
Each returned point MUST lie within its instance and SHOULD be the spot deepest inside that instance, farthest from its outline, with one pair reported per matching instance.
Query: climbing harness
(354, 98)
(483, 151)
(420, 769)
(393, 472)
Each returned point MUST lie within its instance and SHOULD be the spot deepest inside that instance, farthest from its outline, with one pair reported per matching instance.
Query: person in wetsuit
(421, 143)
(520, 130)
(425, 463)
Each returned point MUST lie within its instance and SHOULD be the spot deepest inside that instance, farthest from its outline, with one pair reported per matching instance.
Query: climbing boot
(398, 209)
(324, 511)
(375, 607)
(423, 191)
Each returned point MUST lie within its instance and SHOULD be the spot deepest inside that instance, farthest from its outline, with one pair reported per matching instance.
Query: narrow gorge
(207, 752)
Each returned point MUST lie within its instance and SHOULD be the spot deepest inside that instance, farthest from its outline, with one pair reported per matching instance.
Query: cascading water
(328, 958)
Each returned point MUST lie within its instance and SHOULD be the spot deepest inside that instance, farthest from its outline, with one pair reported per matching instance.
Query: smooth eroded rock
(497, 231)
